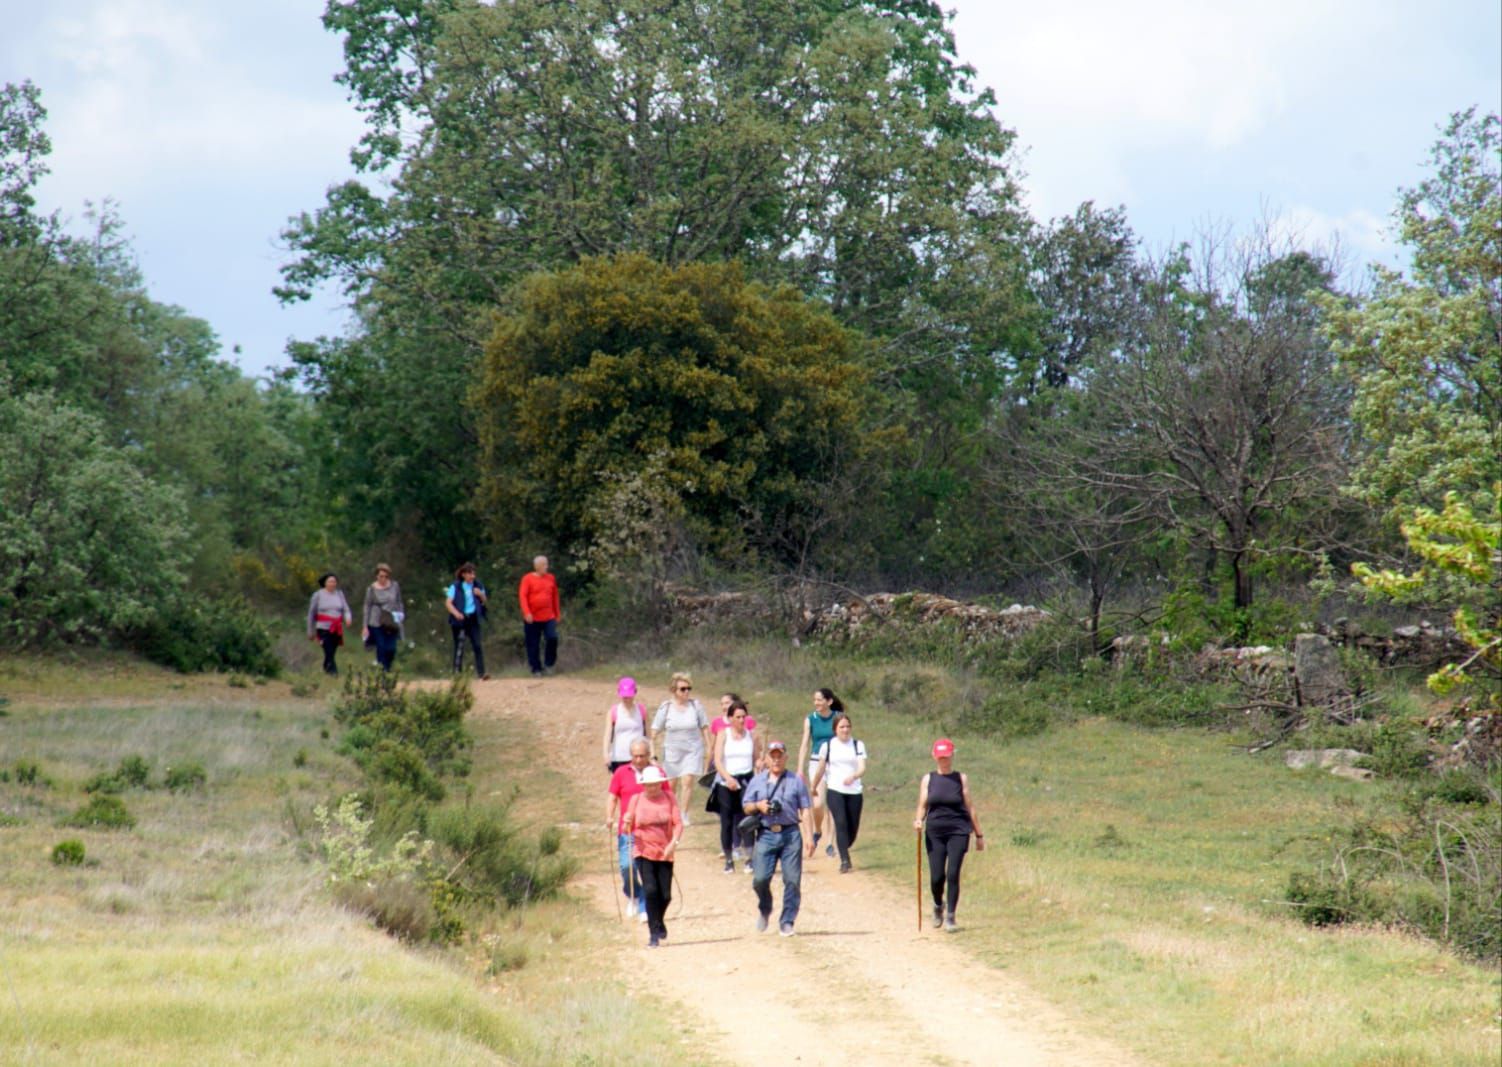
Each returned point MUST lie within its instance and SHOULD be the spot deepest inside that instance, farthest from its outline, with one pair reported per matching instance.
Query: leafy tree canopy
(742, 401)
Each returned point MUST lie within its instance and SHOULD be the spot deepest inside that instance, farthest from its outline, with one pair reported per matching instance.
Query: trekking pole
(918, 873)
(615, 866)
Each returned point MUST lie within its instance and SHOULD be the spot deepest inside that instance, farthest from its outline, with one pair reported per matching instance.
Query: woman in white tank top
(624, 723)
(737, 753)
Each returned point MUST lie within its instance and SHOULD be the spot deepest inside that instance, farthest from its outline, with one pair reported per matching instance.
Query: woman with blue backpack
(465, 603)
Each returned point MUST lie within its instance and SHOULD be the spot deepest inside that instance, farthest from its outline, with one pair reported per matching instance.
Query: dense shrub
(68, 853)
(1436, 870)
(133, 773)
(487, 859)
(102, 813)
(404, 736)
(218, 634)
(1396, 750)
(185, 776)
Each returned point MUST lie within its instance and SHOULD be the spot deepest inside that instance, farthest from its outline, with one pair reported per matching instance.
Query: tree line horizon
(719, 291)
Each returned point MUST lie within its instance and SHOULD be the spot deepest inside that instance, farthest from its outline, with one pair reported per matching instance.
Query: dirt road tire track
(891, 994)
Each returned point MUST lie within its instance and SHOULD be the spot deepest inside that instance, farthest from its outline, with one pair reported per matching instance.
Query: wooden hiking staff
(918, 873)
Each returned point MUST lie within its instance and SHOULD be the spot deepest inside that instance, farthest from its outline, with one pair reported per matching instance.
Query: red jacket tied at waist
(538, 594)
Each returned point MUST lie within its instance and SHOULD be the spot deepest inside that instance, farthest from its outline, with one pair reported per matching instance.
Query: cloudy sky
(210, 122)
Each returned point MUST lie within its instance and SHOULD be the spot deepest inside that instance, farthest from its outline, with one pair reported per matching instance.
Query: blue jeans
(772, 847)
(385, 646)
(542, 644)
(624, 845)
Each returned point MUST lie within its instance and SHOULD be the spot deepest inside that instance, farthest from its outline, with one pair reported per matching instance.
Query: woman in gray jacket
(383, 616)
(328, 615)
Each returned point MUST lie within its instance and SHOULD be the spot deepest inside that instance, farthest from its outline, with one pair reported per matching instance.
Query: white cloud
(158, 90)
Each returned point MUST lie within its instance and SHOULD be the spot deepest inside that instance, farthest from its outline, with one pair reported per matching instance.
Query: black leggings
(945, 857)
(846, 809)
(656, 878)
(331, 642)
(731, 813)
(470, 629)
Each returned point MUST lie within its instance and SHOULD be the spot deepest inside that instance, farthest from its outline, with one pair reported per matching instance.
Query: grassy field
(203, 935)
(1135, 876)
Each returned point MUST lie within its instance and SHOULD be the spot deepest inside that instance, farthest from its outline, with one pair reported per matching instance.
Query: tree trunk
(1241, 570)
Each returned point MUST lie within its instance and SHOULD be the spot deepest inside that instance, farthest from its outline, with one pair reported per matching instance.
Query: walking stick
(918, 873)
(615, 866)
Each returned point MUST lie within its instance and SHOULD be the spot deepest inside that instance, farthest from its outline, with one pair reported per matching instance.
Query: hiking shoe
(641, 916)
(484, 677)
(749, 868)
(653, 942)
(845, 867)
(938, 916)
(949, 925)
(761, 923)
(730, 866)
(829, 851)
(785, 930)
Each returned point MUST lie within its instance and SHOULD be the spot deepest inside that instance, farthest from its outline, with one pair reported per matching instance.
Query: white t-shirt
(842, 757)
(630, 724)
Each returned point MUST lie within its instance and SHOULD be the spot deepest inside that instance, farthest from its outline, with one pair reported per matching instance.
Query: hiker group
(771, 816)
(466, 605)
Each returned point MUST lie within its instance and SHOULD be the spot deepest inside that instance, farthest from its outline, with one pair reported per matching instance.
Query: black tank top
(946, 805)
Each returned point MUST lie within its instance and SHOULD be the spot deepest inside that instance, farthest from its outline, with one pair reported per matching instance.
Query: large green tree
(624, 386)
(838, 146)
(1424, 351)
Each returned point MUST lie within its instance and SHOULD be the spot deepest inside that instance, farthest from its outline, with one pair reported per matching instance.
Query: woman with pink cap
(624, 723)
(656, 827)
(946, 815)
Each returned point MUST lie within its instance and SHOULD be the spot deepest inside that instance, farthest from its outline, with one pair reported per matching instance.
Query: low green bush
(68, 853)
(406, 737)
(215, 634)
(185, 776)
(1397, 751)
(487, 858)
(102, 813)
(132, 773)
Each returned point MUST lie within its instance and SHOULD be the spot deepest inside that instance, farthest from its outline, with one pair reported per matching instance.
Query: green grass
(205, 935)
(1135, 876)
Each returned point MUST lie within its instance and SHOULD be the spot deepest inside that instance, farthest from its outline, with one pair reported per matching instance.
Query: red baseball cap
(943, 747)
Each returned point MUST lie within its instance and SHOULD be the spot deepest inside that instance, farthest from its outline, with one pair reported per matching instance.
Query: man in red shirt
(541, 614)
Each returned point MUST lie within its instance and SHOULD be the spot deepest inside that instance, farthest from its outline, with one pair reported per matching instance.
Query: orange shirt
(655, 821)
(538, 594)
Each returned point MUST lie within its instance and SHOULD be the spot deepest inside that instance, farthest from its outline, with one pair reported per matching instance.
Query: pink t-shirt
(624, 785)
(721, 722)
(656, 821)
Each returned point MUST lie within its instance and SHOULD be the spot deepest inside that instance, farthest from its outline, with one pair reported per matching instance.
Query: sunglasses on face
(685, 689)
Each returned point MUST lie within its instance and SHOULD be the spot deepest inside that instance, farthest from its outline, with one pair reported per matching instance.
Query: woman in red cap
(946, 815)
(656, 827)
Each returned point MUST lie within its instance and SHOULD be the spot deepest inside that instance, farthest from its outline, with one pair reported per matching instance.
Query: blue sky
(209, 123)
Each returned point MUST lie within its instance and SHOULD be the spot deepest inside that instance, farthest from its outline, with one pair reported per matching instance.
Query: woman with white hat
(656, 827)
(946, 815)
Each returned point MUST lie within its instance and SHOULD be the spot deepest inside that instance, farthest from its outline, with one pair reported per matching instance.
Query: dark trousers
(945, 857)
(731, 814)
(385, 646)
(846, 809)
(542, 644)
(469, 628)
(657, 883)
(330, 642)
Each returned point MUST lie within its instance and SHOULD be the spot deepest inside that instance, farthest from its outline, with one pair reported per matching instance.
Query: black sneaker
(730, 866)
(845, 867)
(829, 851)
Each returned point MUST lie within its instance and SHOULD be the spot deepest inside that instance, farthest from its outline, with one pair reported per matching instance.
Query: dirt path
(892, 994)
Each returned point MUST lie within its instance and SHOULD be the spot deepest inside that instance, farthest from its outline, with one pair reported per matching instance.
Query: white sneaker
(631, 909)
(642, 916)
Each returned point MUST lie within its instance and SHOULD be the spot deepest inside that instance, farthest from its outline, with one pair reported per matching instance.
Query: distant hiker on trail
(680, 735)
(541, 613)
(656, 827)
(328, 615)
(624, 784)
(841, 762)
(625, 722)
(383, 616)
(780, 802)
(946, 815)
(465, 604)
(737, 756)
(818, 728)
